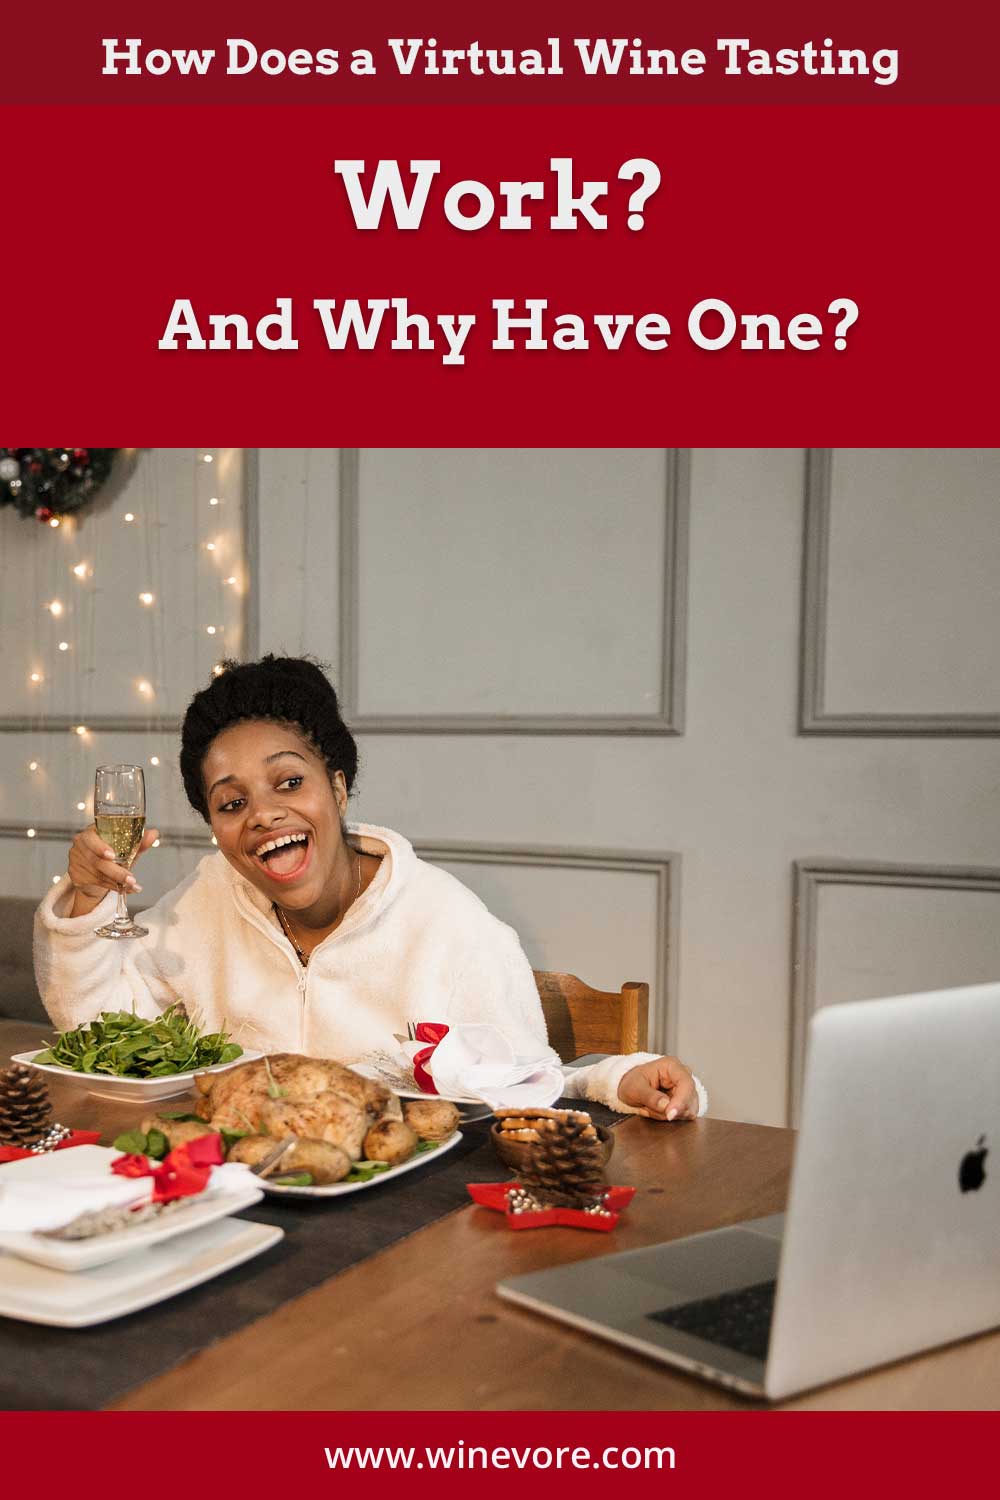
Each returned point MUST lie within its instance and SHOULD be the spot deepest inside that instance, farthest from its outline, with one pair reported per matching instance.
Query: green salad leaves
(128, 1046)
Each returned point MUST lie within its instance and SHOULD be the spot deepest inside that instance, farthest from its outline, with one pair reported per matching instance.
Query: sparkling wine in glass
(120, 817)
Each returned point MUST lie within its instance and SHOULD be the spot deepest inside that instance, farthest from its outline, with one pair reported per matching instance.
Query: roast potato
(324, 1163)
(177, 1132)
(391, 1141)
(251, 1149)
(432, 1119)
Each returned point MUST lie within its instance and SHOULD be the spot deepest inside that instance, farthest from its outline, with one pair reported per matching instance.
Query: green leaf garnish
(364, 1171)
(132, 1142)
(274, 1090)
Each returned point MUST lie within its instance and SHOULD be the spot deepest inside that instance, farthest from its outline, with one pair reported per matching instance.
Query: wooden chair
(581, 1020)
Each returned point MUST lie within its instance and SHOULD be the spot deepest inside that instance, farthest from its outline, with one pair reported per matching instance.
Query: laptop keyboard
(735, 1320)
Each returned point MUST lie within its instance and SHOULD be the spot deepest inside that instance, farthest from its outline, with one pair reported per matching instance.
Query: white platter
(398, 1083)
(82, 1255)
(448, 1098)
(339, 1189)
(129, 1090)
(37, 1294)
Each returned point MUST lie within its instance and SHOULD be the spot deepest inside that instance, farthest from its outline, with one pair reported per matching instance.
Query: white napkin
(478, 1061)
(49, 1203)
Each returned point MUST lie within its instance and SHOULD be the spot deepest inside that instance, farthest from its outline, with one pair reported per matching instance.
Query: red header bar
(639, 52)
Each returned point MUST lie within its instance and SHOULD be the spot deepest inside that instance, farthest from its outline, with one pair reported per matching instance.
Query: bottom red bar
(696, 1455)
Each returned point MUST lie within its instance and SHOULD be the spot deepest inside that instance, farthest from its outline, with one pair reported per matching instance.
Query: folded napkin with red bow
(30, 1204)
(478, 1062)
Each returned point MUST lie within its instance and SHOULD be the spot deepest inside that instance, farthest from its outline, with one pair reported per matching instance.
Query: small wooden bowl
(514, 1154)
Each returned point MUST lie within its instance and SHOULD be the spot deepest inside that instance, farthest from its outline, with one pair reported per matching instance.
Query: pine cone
(25, 1111)
(565, 1168)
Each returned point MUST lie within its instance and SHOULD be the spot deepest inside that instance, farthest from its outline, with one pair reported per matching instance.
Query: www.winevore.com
(462, 1456)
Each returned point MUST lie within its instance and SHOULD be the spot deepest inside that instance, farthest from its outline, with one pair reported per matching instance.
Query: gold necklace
(305, 957)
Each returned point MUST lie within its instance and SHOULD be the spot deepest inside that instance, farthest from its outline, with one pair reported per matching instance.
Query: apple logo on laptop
(971, 1172)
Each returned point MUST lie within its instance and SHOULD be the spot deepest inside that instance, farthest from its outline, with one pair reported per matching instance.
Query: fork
(267, 1163)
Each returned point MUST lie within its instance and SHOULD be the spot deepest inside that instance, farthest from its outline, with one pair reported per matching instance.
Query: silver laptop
(891, 1240)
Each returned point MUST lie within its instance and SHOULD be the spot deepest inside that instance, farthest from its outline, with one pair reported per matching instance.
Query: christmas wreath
(52, 482)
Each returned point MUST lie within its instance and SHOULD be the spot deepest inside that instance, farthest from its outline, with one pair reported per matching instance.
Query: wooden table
(361, 1340)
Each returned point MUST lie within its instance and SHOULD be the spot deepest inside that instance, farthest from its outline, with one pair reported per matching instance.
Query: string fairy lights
(76, 614)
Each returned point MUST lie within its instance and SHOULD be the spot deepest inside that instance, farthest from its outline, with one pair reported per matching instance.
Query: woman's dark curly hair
(284, 689)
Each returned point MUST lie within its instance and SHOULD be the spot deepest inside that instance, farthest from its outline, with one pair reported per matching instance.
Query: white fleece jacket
(416, 946)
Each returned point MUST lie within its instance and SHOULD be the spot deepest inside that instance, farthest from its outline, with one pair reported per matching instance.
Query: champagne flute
(120, 817)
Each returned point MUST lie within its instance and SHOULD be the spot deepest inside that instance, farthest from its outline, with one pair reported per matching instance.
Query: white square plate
(338, 1189)
(36, 1294)
(134, 1090)
(82, 1255)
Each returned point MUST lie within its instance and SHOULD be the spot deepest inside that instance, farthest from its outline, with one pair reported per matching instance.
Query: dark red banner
(441, 1453)
(771, 234)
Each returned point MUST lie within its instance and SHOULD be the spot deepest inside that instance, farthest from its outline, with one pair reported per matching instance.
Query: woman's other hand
(94, 870)
(663, 1089)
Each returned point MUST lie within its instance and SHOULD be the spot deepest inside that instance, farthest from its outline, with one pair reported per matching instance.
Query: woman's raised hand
(94, 870)
(663, 1089)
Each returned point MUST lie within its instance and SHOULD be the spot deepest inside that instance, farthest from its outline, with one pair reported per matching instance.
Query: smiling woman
(306, 933)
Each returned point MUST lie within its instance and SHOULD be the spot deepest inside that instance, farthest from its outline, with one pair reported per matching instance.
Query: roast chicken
(303, 1096)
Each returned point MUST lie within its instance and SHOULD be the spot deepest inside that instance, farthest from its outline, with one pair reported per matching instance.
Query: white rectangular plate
(82, 1255)
(338, 1189)
(36, 1294)
(136, 1090)
(402, 1082)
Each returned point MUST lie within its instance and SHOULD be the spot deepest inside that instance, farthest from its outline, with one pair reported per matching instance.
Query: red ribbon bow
(182, 1173)
(432, 1032)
